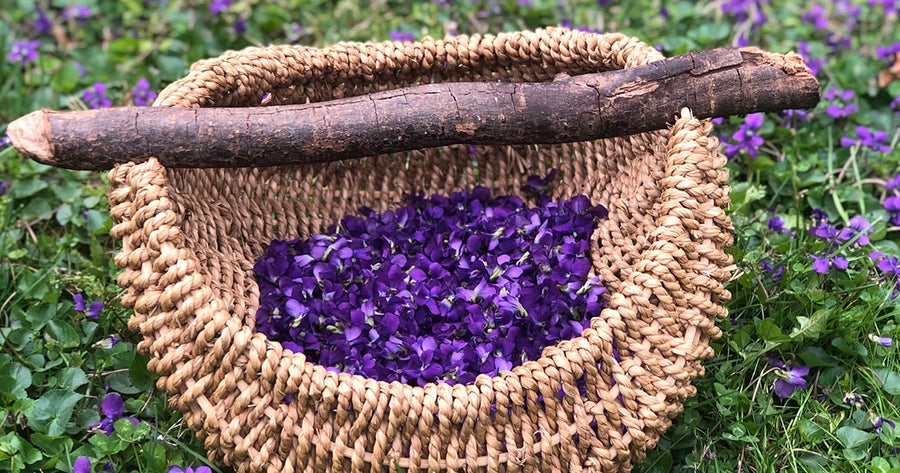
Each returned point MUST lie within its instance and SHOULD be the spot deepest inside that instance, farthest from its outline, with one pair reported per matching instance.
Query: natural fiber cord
(190, 238)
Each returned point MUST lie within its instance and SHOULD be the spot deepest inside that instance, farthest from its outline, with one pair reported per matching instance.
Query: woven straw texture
(190, 238)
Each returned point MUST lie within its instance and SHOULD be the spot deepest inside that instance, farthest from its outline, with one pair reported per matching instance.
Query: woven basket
(190, 238)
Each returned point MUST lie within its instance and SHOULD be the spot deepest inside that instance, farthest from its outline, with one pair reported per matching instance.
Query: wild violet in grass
(442, 289)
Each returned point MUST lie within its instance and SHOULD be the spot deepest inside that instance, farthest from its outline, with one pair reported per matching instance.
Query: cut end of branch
(30, 135)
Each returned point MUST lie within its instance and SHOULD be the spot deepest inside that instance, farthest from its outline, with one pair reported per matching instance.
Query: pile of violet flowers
(440, 290)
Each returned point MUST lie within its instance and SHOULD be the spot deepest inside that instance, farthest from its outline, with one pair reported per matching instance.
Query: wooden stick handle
(714, 83)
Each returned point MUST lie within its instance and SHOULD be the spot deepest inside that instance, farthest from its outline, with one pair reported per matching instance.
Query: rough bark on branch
(714, 83)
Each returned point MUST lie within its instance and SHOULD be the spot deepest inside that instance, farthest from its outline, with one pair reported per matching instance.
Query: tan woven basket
(190, 238)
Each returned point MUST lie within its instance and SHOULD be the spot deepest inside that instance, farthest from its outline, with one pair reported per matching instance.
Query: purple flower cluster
(442, 289)
(24, 52)
(891, 7)
(864, 137)
(841, 102)
(746, 139)
(95, 96)
(848, 10)
(142, 94)
(816, 16)
(857, 233)
(895, 104)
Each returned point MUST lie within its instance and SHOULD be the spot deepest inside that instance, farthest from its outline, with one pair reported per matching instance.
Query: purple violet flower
(742, 10)
(776, 224)
(92, 311)
(895, 104)
(774, 273)
(82, 465)
(889, 266)
(200, 469)
(858, 226)
(854, 400)
(848, 9)
(79, 302)
(887, 53)
(113, 409)
(95, 97)
(793, 116)
(746, 139)
(886, 342)
(296, 32)
(821, 264)
(42, 25)
(880, 422)
(219, 6)
(24, 52)
(821, 228)
(885, 263)
(893, 183)
(865, 137)
(82, 72)
(814, 64)
(837, 43)
(3, 186)
(107, 342)
(76, 12)
(891, 7)
(240, 26)
(789, 378)
(401, 36)
(841, 102)
(892, 205)
(816, 16)
(142, 94)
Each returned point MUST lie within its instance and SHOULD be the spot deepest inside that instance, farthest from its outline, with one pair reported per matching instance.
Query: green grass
(54, 224)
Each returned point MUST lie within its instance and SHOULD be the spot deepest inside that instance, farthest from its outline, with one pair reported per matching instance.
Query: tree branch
(714, 83)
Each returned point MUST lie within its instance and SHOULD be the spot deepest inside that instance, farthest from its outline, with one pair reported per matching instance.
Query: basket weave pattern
(190, 239)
